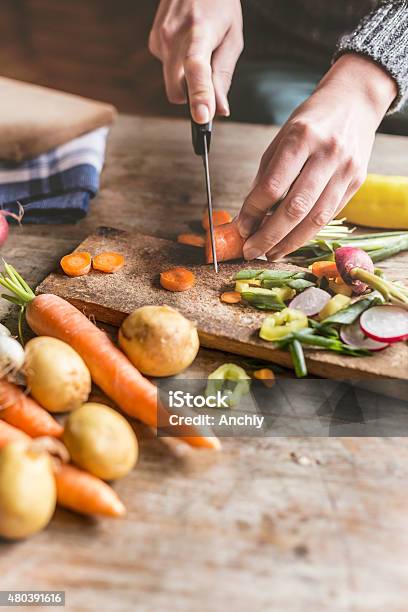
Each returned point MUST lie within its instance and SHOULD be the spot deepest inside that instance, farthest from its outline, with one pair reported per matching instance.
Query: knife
(201, 136)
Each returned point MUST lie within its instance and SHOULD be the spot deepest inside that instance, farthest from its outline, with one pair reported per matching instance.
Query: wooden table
(251, 527)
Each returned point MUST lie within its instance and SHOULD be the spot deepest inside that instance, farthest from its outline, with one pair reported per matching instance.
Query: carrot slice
(230, 297)
(76, 264)
(109, 262)
(229, 243)
(266, 376)
(177, 279)
(220, 217)
(191, 239)
(328, 269)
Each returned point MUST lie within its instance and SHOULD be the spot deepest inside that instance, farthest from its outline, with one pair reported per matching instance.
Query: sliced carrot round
(266, 376)
(177, 279)
(191, 239)
(108, 262)
(230, 297)
(76, 264)
(219, 218)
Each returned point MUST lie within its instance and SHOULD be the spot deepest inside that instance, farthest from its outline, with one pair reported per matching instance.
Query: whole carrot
(82, 492)
(23, 412)
(50, 315)
(76, 489)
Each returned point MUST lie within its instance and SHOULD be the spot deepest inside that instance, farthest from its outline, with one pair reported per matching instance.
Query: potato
(27, 490)
(56, 375)
(158, 340)
(101, 441)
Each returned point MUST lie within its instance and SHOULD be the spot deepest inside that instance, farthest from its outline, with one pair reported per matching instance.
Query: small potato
(27, 491)
(101, 441)
(56, 375)
(159, 341)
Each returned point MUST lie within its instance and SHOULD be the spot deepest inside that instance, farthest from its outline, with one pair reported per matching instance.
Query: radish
(4, 228)
(348, 260)
(311, 301)
(357, 270)
(385, 323)
(353, 335)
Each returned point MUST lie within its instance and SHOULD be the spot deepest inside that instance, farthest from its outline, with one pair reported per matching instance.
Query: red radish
(354, 335)
(385, 323)
(4, 228)
(349, 258)
(311, 301)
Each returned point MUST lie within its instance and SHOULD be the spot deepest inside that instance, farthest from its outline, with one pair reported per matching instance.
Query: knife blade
(201, 136)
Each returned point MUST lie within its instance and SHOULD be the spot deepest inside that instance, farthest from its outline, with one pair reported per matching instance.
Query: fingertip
(244, 227)
(200, 113)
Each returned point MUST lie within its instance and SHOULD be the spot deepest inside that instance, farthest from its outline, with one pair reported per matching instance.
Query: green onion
(298, 358)
(263, 299)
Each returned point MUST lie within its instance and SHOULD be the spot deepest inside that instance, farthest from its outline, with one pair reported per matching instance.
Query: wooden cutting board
(231, 328)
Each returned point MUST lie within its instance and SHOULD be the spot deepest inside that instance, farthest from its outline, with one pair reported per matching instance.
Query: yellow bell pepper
(381, 201)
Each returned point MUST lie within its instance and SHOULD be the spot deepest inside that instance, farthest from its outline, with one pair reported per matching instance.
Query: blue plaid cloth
(55, 187)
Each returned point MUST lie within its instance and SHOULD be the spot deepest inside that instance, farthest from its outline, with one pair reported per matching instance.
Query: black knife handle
(199, 132)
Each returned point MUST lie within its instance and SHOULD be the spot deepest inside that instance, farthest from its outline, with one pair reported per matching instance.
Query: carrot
(191, 239)
(9, 434)
(76, 264)
(228, 243)
(266, 376)
(50, 315)
(230, 297)
(82, 492)
(328, 269)
(108, 262)
(76, 489)
(23, 412)
(219, 217)
(177, 279)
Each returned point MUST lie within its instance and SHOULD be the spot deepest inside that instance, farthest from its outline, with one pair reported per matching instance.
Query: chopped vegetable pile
(342, 306)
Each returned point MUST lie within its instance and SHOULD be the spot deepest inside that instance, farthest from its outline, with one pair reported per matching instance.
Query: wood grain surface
(252, 527)
(231, 328)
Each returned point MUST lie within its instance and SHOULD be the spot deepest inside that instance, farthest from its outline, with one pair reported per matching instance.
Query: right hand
(199, 42)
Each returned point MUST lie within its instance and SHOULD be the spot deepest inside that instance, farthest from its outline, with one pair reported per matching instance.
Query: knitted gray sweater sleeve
(383, 36)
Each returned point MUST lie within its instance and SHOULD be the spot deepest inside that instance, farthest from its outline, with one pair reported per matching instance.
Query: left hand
(318, 159)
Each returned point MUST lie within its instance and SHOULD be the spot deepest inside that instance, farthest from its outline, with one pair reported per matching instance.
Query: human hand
(318, 159)
(198, 41)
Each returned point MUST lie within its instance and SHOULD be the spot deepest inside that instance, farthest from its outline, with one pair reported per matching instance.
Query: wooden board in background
(230, 328)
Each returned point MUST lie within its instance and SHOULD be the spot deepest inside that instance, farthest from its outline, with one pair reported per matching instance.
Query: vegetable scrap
(219, 217)
(195, 240)
(230, 297)
(177, 279)
(266, 376)
(219, 382)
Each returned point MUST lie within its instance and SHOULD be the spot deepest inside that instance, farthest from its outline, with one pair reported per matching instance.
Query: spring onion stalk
(390, 291)
(379, 245)
(298, 358)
